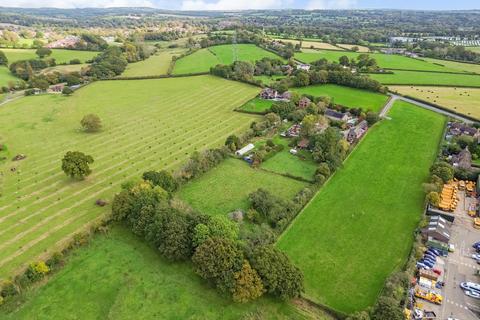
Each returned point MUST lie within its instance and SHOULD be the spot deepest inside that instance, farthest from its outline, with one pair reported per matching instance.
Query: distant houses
(271, 94)
(302, 66)
(67, 42)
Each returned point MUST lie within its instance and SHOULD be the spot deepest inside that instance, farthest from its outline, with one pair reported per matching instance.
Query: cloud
(77, 3)
(233, 4)
(331, 4)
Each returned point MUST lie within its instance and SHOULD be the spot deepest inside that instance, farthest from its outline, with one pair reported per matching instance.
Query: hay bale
(19, 157)
(101, 203)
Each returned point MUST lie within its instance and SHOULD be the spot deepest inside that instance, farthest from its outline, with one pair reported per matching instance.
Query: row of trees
(108, 64)
(212, 243)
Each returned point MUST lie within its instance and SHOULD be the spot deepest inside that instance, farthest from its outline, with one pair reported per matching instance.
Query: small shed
(249, 147)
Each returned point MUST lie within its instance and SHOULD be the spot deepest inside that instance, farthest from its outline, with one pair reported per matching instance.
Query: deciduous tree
(75, 164)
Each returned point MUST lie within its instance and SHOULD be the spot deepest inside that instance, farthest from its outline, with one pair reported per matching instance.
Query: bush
(162, 179)
(8, 289)
(91, 123)
(67, 91)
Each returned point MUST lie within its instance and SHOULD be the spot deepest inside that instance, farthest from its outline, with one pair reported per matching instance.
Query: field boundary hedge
(162, 76)
(431, 85)
(287, 175)
(427, 71)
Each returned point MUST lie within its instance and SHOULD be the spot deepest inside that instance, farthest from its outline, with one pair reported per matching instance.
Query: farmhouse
(249, 147)
(303, 144)
(302, 66)
(463, 160)
(336, 115)
(304, 103)
(57, 88)
(271, 94)
(356, 133)
(460, 128)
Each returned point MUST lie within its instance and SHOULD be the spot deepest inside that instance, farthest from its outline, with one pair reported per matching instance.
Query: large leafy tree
(175, 242)
(91, 123)
(247, 284)
(43, 52)
(280, 277)
(162, 179)
(75, 164)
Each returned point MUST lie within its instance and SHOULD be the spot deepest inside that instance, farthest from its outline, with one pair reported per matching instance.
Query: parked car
(472, 286)
(432, 257)
(473, 294)
(429, 259)
(437, 271)
(421, 265)
(476, 256)
(433, 251)
(476, 244)
(428, 263)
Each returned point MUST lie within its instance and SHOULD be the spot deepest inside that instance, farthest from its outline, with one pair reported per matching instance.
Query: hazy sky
(251, 4)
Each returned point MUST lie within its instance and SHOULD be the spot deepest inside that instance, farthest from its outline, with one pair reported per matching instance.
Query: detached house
(336, 115)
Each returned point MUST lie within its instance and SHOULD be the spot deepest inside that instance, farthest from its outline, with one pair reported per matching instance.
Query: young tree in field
(91, 123)
(75, 164)
(248, 284)
(3, 59)
(43, 52)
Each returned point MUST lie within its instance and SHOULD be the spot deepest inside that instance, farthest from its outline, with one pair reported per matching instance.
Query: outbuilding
(249, 147)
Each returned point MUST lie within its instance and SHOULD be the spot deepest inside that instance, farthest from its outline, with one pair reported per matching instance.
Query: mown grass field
(118, 276)
(257, 105)
(350, 46)
(462, 100)
(65, 68)
(148, 124)
(349, 97)
(359, 227)
(269, 80)
(427, 78)
(383, 60)
(226, 187)
(155, 65)
(203, 59)
(60, 55)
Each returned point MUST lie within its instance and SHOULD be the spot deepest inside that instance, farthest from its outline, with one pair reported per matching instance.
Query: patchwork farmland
(400, 77)
(203, 59)
(60, 55)
(40, 206)
(359, 228)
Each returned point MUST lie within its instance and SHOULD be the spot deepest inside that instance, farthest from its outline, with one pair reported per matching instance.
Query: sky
(252, 4)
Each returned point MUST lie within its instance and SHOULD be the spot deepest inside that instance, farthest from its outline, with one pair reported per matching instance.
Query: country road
(395, 97)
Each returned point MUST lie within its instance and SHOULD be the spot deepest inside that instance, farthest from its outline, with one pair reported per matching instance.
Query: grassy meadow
(462, 100)
(6, 76)
(147, 125)
(349, 97)
(311, 44)
(60, 55)
(226, 187)
(428, 79)
(359, 227)
(203, 59)
(361, 49)
(459, 66)
(155, 65)
(118, 276)
(383, 60)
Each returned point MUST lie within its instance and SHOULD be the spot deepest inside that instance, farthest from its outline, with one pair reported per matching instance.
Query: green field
(268, 80)
(148, 124)
(428, 78)
(461, 100)
(257, 105)
(6, 76)
(359, 228)
(459, 66)
(203, 59)
(226, 187)
(60, 55)
(155, 65)
(67, 68)
(349, 97)
(383, 60)
(119, 277)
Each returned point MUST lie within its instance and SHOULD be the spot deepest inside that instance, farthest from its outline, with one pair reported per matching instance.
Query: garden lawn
(349, 97)
(203, 59)
(286, 163)
(257, 105)
(147, 125)
(155, 65)
(269, 80)
(358, 229)
(386, 61)
(118, 276)
(226, 187)
(428, 78)
(60, 55)
(461, 100)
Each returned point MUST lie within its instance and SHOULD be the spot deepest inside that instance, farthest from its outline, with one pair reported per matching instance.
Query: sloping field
(67, 68)
(462, 100)
(229, 185)
(428, 78)
(60, 55)
(155, 65)
(203, 59)
(359, 227)
(120, 277)
(148, 124)
(6, 76)
(349, 97)
(350, 46)
(383, 60)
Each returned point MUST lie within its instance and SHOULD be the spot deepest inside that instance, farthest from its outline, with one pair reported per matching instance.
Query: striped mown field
(147, 124)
